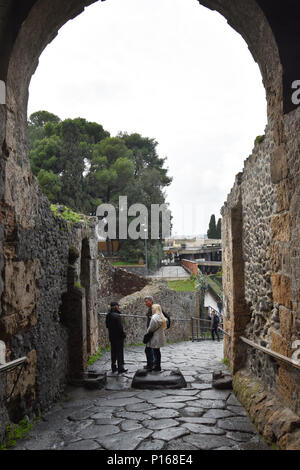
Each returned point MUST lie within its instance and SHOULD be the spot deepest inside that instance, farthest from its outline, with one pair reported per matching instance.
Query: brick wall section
(190, 266)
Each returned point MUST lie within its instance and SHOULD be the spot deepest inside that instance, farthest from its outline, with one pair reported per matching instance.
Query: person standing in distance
(214, 325)
(157, 327)
(148, 351)
(116, 337)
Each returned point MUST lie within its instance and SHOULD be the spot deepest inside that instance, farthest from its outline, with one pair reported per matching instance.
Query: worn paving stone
(128, 440)
(193, 412)
(198, 416)
(220, 404)
(104, 421)
(158, 424)
(150, 394)
(201, 386)
(161, 413)
(206, 442)
(214, 394)
(87, 444)
(196, 420)
(140, 407)
(237, 424)
(217, 414)
(130, 425)
(170, 433)
(120, 401)
(80, 415)
(237, 410)
(202, 429)
(232, 400)
(179, 444)
(94, 431)
(154, 444)
(183, 392)
(239, 436)
(131, 415)
(168, 405)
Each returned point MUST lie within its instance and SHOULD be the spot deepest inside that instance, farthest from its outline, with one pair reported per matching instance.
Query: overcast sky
(170, 70)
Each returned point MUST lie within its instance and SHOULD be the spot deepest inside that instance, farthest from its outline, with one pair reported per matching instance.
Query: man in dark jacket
(214, 325)
(116, 337)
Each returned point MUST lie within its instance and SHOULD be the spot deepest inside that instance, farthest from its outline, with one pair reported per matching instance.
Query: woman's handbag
(147, 337)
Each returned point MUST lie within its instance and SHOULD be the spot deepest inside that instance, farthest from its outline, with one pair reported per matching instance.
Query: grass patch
(215, 285)
(186, 285)
(67, 214)
(18, 431)
(97, 356)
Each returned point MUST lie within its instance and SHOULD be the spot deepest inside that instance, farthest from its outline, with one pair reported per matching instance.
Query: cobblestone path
(121, 418)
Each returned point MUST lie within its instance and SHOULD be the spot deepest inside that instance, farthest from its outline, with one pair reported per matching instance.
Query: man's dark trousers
(215, 331)
(117, 354)
(149, 356)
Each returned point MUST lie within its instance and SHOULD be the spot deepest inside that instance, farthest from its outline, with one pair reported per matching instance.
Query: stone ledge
(274, 420)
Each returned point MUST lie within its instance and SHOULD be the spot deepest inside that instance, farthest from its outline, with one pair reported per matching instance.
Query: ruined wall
(31, 321)
(261, 263)
(180, 305)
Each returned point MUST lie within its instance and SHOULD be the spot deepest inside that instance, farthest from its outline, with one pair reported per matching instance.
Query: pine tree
(212, 229)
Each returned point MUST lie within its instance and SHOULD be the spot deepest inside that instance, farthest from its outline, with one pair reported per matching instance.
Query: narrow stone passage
(118, 417)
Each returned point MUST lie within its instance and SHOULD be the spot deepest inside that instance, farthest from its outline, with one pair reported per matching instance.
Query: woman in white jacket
(157, 326)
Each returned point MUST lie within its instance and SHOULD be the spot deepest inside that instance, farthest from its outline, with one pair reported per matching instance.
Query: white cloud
(168, 69)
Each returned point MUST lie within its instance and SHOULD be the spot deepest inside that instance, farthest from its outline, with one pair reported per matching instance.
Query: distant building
(206, 252)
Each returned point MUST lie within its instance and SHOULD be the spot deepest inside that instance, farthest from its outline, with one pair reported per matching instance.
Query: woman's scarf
(156, 308)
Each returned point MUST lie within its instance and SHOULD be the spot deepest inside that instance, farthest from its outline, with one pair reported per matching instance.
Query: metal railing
(10, 366)
(274, 354)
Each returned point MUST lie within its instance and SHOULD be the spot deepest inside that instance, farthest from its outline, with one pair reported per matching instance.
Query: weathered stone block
(286, 322)
(281, 227)
(285, 385)
(280, 344)
(281, 287)
(279, 168)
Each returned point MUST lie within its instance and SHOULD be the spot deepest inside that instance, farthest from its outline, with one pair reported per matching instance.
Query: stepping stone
(222, 381)
(161, 380)
(239, 436)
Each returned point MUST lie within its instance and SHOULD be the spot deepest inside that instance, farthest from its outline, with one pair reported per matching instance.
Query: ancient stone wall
(180, 306)
(261, 263)
(32, 321)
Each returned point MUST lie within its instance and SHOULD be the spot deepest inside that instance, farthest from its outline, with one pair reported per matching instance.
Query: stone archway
(264, 25)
